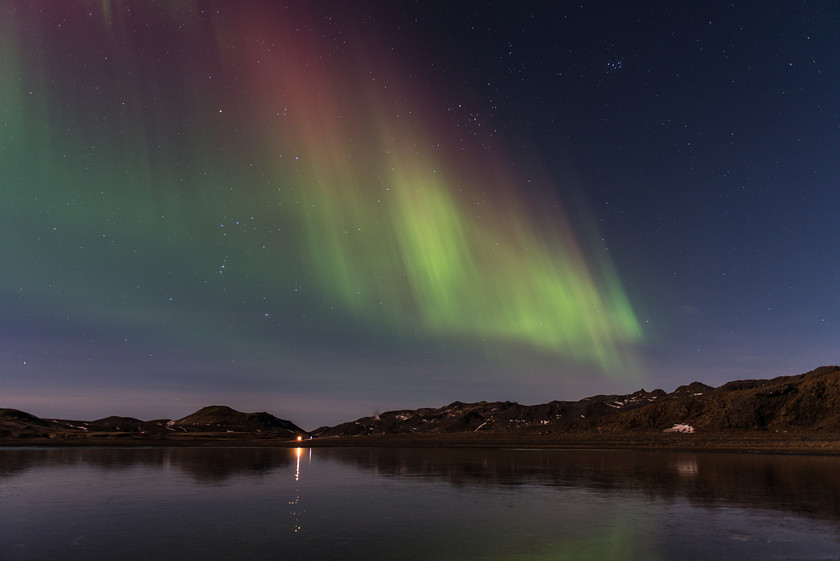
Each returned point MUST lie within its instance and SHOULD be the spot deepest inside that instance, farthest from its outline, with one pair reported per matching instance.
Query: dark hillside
(809, 401)
(801, 406)
(491, 416)
(220, 418)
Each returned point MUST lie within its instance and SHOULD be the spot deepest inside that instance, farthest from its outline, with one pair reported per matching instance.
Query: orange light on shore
(299, 438)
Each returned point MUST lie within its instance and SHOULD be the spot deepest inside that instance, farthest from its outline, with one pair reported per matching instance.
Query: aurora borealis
(344, 208)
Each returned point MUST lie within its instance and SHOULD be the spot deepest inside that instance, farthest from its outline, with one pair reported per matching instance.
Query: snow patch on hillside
(680, 428)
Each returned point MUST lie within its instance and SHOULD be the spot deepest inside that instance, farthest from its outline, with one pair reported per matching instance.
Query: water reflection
(803, 484)
(295, 511)
(256, 503)
(206, 465)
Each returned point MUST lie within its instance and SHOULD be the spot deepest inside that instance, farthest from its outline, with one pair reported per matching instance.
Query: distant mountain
(492, 416)
(215, 419)
(19, 423)
(805, 401)
(220, 418)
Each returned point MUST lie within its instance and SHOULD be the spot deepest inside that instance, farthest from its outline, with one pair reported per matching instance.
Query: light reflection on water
(364, 503)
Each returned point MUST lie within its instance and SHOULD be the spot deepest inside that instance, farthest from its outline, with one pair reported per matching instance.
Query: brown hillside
(809, 401)
(220, 418)
(497, 416)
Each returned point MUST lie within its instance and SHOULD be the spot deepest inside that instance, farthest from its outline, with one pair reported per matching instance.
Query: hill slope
(220, 418)
(809, 401)
(215, 419)
(491, 416)
(804, 404)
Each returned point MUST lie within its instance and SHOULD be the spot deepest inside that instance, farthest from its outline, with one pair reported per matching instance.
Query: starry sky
(328, 209)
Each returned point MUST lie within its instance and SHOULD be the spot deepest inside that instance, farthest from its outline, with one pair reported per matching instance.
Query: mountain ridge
(800, 403)
(213, 419)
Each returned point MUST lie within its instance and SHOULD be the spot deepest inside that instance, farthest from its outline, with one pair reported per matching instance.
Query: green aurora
(181, 180)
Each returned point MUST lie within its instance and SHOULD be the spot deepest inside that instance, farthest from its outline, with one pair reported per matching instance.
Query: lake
(414, 504)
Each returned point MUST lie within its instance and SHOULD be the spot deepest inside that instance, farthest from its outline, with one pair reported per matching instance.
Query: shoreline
(747, 442)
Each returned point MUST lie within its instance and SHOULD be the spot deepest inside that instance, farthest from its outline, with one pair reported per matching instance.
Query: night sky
(328, 209)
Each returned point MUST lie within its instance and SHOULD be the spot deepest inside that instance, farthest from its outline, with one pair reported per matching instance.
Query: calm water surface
(251, 503)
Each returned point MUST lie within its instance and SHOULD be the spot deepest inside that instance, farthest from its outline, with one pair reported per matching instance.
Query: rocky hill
(809, 401)
(215, 420)
(220, 418)
(805, 404)
(492, 416)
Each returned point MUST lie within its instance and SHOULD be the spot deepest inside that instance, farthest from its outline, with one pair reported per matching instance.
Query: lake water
(414, 504)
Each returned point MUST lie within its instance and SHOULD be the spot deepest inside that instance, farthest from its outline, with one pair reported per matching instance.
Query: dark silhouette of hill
(17, 416)
(491, 416)
(220, 418)
(212, 420)
(809, 401)
(805, 402)
(805, 405)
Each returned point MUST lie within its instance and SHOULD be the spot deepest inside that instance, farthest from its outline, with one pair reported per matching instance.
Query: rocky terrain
(800, 412)
(488, 417)
(214, 421)
(805, 402)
